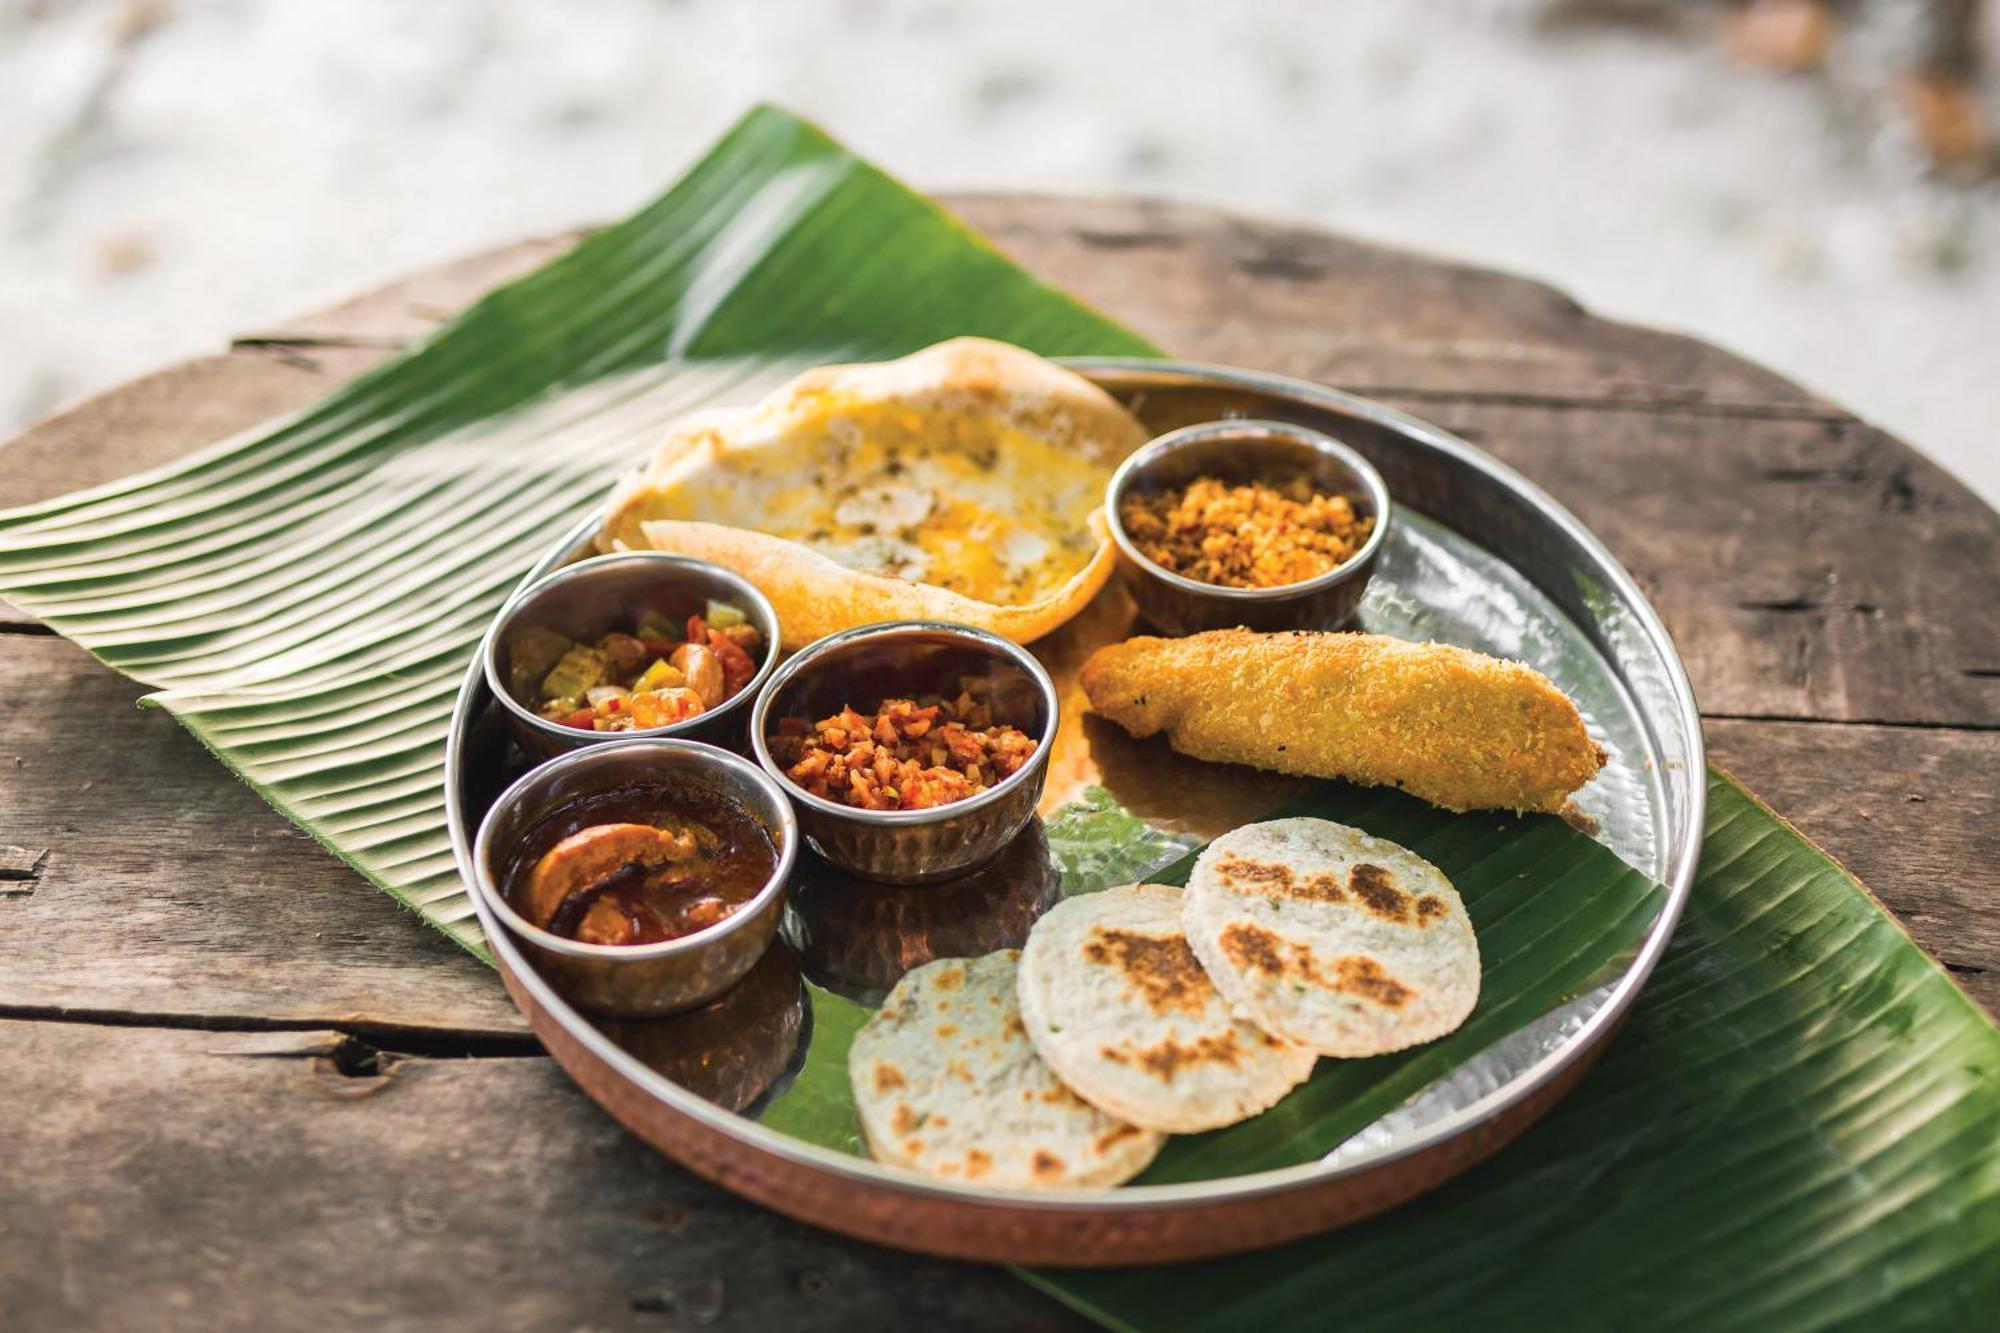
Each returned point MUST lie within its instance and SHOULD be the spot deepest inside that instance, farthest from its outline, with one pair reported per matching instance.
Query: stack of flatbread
(1144, 1011)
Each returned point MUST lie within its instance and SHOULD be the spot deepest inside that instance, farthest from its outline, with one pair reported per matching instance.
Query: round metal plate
(1478, 557)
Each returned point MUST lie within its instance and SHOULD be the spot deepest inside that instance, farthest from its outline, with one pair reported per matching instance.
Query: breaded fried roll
(1458, 728)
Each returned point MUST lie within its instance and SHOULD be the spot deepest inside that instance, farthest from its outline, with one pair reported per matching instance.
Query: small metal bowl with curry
(644, 876)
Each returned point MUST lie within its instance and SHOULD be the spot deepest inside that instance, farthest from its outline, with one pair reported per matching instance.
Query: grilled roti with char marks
(1346, 943)
(1119, 1007)
(946, 1083)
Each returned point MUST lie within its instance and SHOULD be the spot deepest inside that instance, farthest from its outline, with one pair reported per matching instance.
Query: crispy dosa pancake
(963, 483)
(1116, 1003)
(1458, 728)
(946, 1083)
(1346, 943)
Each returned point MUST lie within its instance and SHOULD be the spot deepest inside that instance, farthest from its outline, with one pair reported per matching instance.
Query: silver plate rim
(1683, 847)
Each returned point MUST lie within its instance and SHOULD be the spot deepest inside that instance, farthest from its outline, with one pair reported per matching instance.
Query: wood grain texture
(1807, 565)
(164, 416)
(223, 1181)
(1216, 286)
(172, 890)
(1913, 812)
(1806, 569)
(1816, 573)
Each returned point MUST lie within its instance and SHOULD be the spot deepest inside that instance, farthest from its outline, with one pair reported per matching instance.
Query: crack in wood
(1663, 399)
(255, 342)
(1847, 473)
(1727, 408)
(1290, 268)
(1129, 240)
(285, 354)
(699, 1301)
(342, 1065)
(399, 1038)
(354, 1069)
(1801, 719)
(1899, 492)
(21, 870)
(34, 628)
(1803, 604)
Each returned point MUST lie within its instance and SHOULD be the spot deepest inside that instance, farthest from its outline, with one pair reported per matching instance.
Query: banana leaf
(305, 596)
(1551, 908)
(1797, 1129)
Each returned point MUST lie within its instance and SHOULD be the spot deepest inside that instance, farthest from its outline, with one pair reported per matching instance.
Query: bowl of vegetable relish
(640, 643)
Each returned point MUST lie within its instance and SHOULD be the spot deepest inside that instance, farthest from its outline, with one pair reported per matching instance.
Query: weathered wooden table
(242, 1089)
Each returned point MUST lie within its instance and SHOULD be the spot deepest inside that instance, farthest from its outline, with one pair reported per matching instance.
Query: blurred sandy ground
(173, 171)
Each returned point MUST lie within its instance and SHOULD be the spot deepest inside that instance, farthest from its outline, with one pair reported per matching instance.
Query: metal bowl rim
(803, 660)
(489, 647)
(1140, 1199)
(786, 836)
(1356, 566)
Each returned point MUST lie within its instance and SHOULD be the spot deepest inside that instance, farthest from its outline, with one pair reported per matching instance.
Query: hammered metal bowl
(609, 592)
(1478, 556)
(1239, 452)
(640, 980)
(910, 659)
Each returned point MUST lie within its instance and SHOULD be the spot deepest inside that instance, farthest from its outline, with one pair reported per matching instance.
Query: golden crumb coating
(1458, 728)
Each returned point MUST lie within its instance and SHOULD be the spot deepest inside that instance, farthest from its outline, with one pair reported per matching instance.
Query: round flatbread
(1117, 1005)
(1346, 943)
(946, 1083)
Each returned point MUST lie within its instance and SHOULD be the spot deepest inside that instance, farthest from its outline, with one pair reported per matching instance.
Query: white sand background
(170, 172)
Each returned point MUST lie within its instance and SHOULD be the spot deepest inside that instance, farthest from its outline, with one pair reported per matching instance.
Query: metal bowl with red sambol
(912, 751)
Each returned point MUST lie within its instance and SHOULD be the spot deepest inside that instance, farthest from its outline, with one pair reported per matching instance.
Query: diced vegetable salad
(663, 672)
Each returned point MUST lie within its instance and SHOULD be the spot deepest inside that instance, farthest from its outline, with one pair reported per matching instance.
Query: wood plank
(1910, 810)
(1216, 286)
(217, 1181)
(162, 417)
(171, 890)
(1774, 615)
(1739, 502)
(415, 304)
(1201, 282)
(183, 895)
(1798, 555)
(1807, 569)
(224, 1180)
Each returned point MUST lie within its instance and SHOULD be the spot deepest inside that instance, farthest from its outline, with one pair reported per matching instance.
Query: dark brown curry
(640, 865)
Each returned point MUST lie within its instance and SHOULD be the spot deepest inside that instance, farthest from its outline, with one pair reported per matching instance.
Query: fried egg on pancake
(963, 482)
(1118, 1006)
(946, 1083)
(1349, 944)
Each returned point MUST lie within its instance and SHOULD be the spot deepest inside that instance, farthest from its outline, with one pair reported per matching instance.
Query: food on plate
(1346, 943)
(961, 483)
(902, 754)
(660, 673)
(640, 865)
(946, 1083)
(1252, 535)
(1117, 1004)
(1458, 728)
